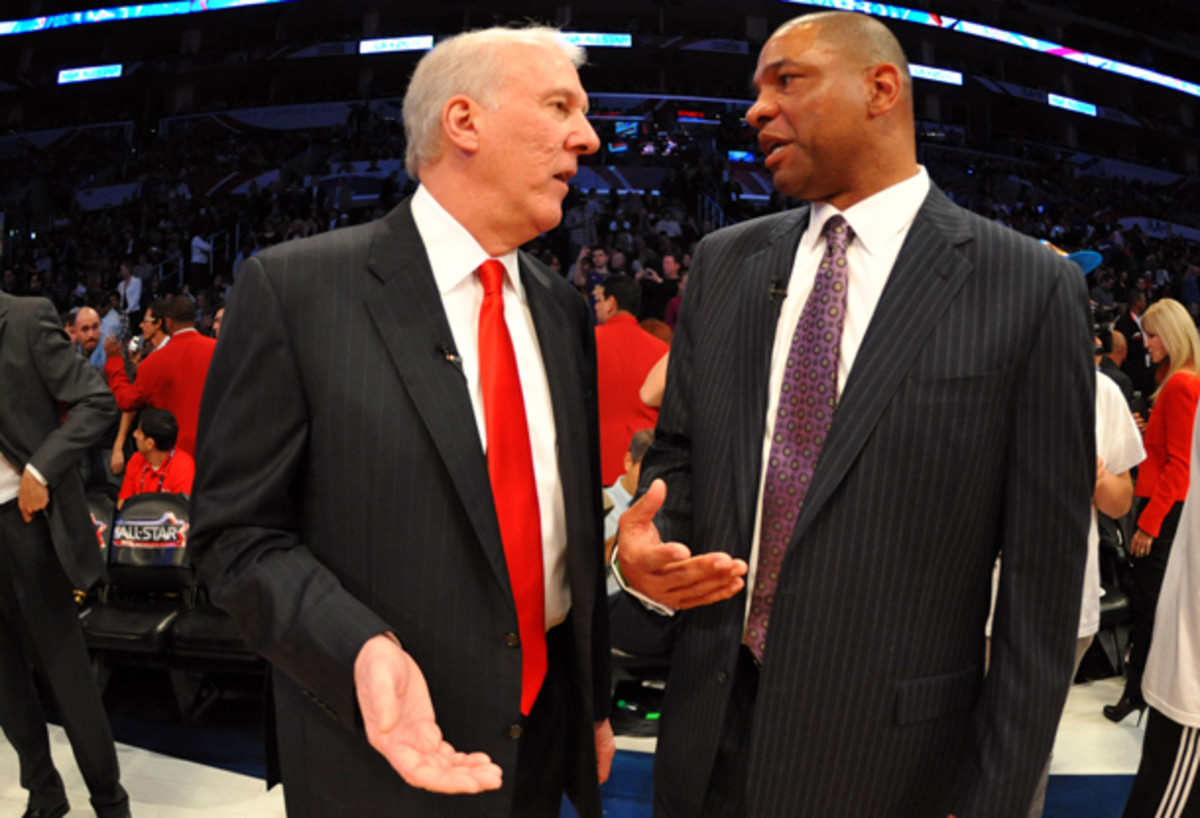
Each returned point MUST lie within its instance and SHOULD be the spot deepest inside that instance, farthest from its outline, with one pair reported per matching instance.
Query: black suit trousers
(40, 631)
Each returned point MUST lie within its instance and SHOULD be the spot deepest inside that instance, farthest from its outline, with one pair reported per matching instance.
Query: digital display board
(388, 45)
(926, 72)
(593, 39)
(1068, 104)
(88, 73)
(142, 11)
(926, 18)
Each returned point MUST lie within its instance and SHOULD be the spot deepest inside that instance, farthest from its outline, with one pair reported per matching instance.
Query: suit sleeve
(1177, 405)
(1044, 525)
(670, 456)
(245, 536)
(71, 381)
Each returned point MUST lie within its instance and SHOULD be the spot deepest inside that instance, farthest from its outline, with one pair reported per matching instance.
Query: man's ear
(461, 122)
(885, 87)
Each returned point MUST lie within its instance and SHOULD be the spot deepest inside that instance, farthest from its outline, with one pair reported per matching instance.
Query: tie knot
(491, 275)
(838, 232)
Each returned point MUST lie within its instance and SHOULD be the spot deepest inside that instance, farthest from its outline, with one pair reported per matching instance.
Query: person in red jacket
(157, 465)
(172, 378)
(625, 353)
(1163, 477)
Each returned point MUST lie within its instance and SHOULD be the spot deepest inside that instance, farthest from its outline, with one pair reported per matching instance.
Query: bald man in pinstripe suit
(962, 427)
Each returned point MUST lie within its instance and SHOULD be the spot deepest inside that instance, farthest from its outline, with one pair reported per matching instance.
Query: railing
(711, 212)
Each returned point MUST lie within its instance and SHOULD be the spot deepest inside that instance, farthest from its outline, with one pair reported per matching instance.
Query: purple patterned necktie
(807, 399)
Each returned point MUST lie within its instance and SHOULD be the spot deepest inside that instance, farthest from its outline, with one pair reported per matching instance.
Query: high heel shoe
(1117, 712)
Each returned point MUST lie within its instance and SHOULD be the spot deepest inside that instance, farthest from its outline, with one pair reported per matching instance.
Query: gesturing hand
(398, 717)
(667, 572)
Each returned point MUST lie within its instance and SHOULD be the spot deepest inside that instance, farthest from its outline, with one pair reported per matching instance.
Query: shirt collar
(877, 218)
(453, 252)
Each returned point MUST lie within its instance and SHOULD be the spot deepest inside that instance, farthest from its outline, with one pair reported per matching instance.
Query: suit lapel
(408, 313)
(928, 272)
(565, 376)
(757, 320)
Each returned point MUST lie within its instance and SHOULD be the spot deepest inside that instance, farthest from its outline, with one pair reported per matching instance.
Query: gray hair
(468, 64)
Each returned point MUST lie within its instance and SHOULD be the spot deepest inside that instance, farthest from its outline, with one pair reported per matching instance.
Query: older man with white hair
(397, 492)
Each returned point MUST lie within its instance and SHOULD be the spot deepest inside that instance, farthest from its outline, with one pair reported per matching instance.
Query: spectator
(1137, 363)
(87, 335)
(659, 288)
(157, 466)
(172, 379)
(1108, 358)
(199, 271)
(1162, 483)
(671, 313)
(129, 289)
(624, 354)
(623, 490)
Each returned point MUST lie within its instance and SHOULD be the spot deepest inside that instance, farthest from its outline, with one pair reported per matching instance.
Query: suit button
(512, 640)
(515, 731)
(722, 677)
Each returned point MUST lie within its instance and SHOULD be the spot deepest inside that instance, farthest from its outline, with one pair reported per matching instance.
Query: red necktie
(510, 469)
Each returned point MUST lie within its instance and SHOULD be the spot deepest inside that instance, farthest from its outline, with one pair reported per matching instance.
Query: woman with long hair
(1163, 477)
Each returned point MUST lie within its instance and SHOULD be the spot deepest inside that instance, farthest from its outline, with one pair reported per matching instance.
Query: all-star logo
(168, 531)
(100, 529)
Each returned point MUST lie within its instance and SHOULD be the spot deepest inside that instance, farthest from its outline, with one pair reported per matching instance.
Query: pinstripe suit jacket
(964, 428)
(341, 491)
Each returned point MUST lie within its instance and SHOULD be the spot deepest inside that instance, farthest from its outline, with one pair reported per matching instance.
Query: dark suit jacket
(342, 491)
(964, 428)
(1134, 365)
(39, 373)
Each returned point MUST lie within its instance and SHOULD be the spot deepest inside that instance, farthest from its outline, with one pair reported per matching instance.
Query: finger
(704, 587)
(702, 565)
(718, 595)
(431, 772)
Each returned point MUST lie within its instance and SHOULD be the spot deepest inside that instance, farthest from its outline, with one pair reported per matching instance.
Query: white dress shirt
(10, 481)
(454, 255)
(131, 294)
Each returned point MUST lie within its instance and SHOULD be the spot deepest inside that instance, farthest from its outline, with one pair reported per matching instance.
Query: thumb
(643, 511)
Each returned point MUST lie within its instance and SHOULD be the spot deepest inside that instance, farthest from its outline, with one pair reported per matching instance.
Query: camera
(135, 345)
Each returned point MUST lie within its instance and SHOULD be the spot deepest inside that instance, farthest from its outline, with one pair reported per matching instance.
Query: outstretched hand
(399, 720)
(667, 572)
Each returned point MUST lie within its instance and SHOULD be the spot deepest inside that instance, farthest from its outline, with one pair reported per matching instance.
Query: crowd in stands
(107, 267)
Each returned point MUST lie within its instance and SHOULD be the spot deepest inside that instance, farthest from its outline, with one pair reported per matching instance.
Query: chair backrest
(102, 508)
(148, 543)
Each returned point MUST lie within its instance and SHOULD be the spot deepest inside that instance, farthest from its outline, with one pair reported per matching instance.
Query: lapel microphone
(778, 292)
(450, 354)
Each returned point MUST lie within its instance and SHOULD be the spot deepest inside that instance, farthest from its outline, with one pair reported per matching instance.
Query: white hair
(468, 64)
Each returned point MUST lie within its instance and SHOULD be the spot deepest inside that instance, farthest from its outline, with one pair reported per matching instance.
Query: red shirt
(172, 379)
(625, 354)
(1164, 475)
(175, 476)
